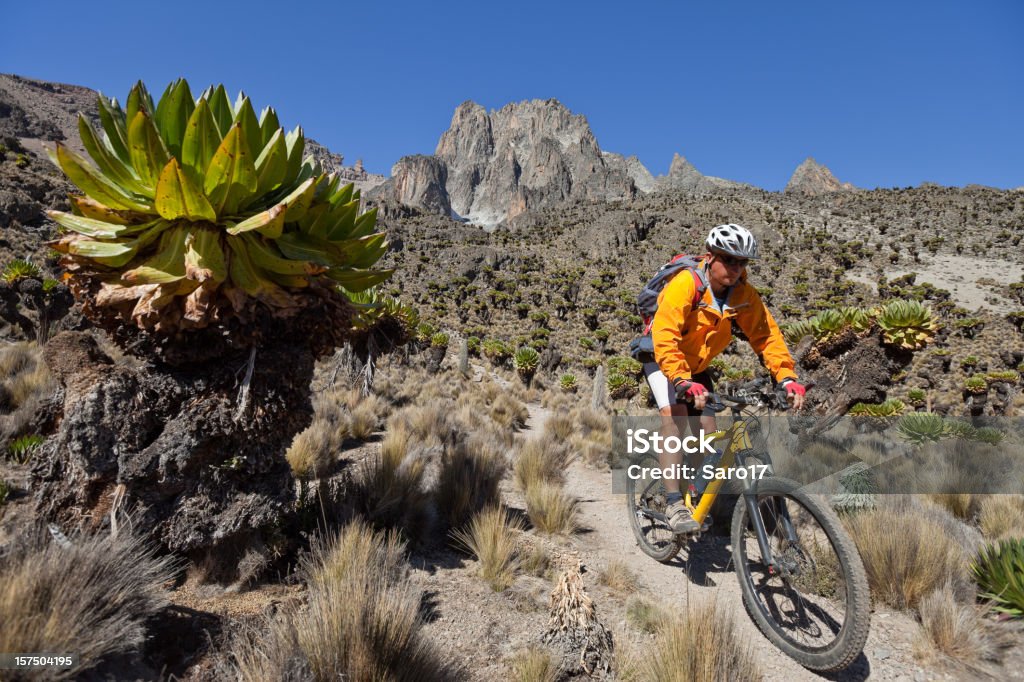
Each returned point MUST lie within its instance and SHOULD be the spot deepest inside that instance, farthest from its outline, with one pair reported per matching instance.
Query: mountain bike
(803, 581)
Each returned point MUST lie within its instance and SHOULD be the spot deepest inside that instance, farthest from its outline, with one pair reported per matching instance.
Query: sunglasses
(732, 261)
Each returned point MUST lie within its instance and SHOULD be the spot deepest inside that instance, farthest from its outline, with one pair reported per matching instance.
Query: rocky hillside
(562, 271)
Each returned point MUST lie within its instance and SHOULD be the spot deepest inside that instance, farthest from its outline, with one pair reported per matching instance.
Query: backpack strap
(700, 285)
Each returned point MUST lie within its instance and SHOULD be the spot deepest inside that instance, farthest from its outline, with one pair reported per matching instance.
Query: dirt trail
(607, 536)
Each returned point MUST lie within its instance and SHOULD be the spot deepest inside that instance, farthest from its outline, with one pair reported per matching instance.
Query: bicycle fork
(757, 521)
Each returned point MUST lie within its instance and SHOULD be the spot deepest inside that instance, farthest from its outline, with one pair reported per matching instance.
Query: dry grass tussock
(1002, 516)
(510, 386)
(508, 412)
(314, 452)
(339, 414)
(618, 576)
(389, 488)
(427, 424)
(645, 615)
(700, 644)
(906, 554)
(492, 537)
(556, 399)
(539, 461)
(360, 415)
(551, 509)
(961, 505)
(533, 664)
(24, 381)
(92, 598)
(362, 620)
(957, 632)
(398, 385)
(560, 427)
(467, 481)
(595, 449)
(365, 416)
(592, 437)
(535, 561)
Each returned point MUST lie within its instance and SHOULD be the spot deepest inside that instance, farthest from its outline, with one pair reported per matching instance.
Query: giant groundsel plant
(195, 211)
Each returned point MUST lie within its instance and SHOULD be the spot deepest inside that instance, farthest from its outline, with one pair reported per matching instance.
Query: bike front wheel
(645, 504)
(813, 603)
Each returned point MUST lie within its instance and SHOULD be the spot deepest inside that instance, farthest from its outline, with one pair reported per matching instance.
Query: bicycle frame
(738, 440)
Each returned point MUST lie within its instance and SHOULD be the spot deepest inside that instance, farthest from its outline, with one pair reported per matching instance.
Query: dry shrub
(1002, 516)
(533, 664)
(508, 412)
(619, 577)
(491, 537)
(906, 554)
(362, 620)
(314, 452)
(702, 644)
(388, 489)
(92, 598)
(539, 461)
(956, 631)
(645, 615)
(467, 481)
(551, 509)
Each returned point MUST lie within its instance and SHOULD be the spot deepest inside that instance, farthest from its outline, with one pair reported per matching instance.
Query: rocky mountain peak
(528, 154)
(812, 178)
(683, 175)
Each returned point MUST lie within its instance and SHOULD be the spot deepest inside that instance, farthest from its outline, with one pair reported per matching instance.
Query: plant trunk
(194, 453)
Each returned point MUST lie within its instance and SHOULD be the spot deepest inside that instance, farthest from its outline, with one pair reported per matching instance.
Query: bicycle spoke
(647, 503)
(805, 598)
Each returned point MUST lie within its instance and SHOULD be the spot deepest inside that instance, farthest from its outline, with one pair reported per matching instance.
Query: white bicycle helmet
(734, 240)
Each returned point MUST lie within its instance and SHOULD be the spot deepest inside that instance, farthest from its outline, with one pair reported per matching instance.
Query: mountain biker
(687, 339)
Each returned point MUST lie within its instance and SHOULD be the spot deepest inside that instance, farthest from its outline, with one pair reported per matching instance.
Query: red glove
(689, 389)
(793, 387)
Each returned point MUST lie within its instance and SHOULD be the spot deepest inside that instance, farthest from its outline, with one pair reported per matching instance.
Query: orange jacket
(686, 341)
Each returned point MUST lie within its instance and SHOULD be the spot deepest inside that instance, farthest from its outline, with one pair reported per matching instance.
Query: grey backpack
(647, 300)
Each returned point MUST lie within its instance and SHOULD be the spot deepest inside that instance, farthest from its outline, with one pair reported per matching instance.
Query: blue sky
(884, 93)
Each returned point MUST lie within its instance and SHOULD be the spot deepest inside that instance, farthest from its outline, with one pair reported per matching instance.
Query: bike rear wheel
(816, 606)
(645, 498)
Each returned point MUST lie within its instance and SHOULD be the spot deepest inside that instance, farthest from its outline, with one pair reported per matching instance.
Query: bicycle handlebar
(752, 393)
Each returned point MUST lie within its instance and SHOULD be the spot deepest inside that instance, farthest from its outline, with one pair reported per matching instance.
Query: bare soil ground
(963, 277)
(483, 628)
